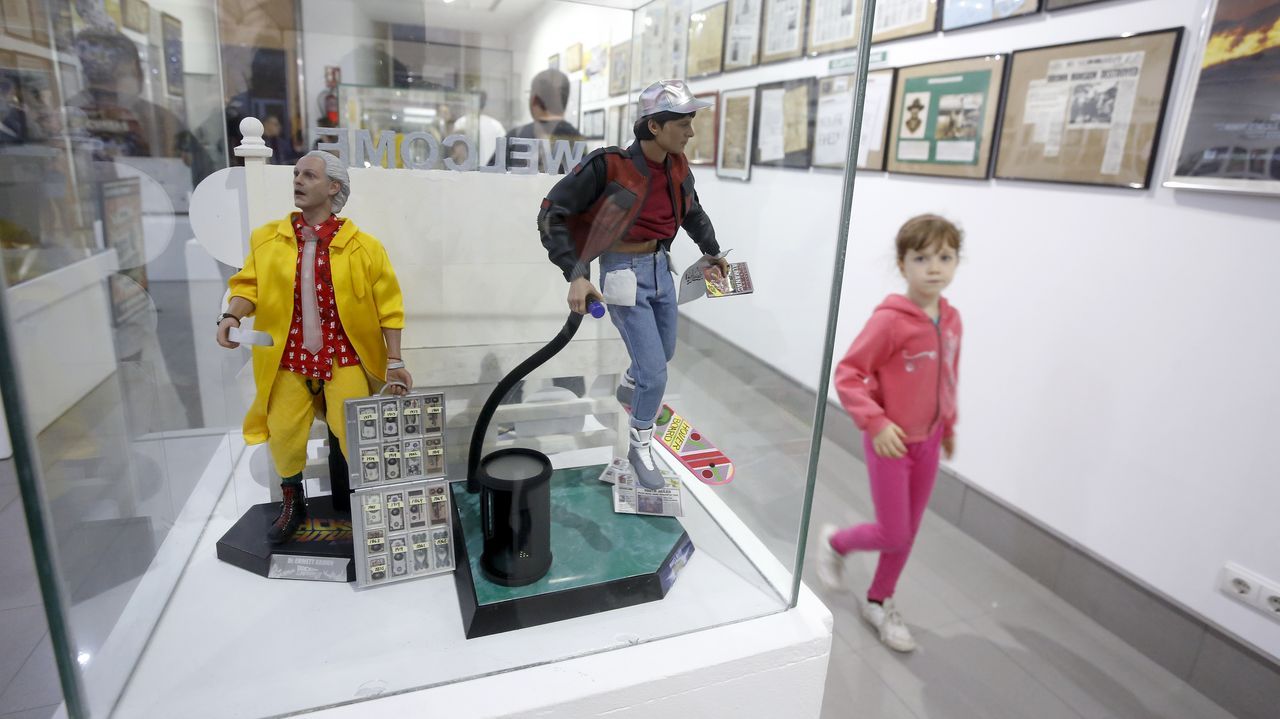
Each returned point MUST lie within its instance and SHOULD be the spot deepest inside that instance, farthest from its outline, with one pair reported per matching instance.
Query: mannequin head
(320, 182)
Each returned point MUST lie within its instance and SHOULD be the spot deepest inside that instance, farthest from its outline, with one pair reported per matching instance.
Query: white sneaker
(830, 562)
(888, 621)
(641, 459)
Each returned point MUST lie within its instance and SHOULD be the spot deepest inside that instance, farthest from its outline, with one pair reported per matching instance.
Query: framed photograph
(1229, 133)
(706, 41)
(784, 124)
(553, 62)
(596, 62)
(619, 68)
(137, 16)
(835, 120)
(702, 147)
(944, 117)
(573, 58)
(171, 39)
(783, 34)
(966, 13)
(1087, 112)
(592, 125)
(896, 19)
(742, 34)
(833, 25)
(1060, 4)
(737, 112)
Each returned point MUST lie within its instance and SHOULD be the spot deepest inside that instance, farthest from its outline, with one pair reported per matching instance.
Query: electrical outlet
(1239, 584)
(1268, 599)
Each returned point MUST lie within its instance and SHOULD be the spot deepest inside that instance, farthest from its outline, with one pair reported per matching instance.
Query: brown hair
(924, 231)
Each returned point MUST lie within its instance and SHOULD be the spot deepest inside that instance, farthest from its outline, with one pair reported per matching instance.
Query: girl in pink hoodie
(898, 382)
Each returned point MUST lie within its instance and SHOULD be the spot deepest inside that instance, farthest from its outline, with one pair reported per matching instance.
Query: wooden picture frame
(898, 19)
(619, 68)
(833, 125)
(706, 41)
(573, 58)
(742, 34)
(137, 16)
(782, 31)
(833, 26)
(1088, 113)
(944, 117)
(736, 137)
(785, 116)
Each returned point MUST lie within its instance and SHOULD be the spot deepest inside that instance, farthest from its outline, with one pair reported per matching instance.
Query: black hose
(549, 350)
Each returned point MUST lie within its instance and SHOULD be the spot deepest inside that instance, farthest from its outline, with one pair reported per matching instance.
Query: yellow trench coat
(364, 286)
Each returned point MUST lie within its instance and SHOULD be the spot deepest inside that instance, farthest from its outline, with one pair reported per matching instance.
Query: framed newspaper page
(1228, 137)
(737, 112)
(783, 34)
(619, 68)
(1088, 112)
(835, 120)
(742, 34)
(784, 124)
(944, 117)
(706, 41)
(833, 26)
(702, 147)
(896, 19)
(958, 14)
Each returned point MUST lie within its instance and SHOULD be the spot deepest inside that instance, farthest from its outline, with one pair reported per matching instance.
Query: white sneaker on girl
(830, 562)
(888, 621)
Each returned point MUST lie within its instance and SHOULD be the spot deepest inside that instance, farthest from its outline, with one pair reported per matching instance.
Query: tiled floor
(993, 642)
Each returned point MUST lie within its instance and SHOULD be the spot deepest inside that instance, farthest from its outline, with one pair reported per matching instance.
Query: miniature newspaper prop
(631, 498)
(695, 282)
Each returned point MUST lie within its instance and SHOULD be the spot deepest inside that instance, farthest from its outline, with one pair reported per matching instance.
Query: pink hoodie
(893, 373)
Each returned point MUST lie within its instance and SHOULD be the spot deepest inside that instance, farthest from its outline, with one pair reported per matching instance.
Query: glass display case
(149, 495)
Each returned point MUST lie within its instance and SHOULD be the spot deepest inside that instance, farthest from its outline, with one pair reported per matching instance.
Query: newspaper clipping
(631, 498)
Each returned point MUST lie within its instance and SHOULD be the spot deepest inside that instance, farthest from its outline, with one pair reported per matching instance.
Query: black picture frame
(796, 159)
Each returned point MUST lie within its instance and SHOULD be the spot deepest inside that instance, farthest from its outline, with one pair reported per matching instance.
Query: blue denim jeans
(648, 328)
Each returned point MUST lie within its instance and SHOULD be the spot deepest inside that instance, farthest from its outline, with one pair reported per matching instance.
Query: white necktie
(312, 339)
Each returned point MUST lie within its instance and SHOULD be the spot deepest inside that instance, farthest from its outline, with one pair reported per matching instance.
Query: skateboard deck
(692, 448)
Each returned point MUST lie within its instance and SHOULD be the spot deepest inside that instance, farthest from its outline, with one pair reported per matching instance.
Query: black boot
(293, 509)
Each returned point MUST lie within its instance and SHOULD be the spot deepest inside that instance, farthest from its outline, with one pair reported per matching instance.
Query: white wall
(1118, 375)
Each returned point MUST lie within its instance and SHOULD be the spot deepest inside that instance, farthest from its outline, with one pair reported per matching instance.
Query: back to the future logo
(321, 529)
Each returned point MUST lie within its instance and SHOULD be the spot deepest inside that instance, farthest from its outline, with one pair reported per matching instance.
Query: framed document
(967, 13)
(1230, 130)
(835, 120)
(619, 68)
(784, 124)
(661, 41)
(896, 19)
(944, 117)
(171, 42)
(833, 25)
(783, 34)
(17, 18)
(742, 34)
(553, 62)
(1059, 4)
(573, 58)
(592, 124)
(737, 112)
(137, 16)
(702, 147)
(1087, 112)
(706, 41)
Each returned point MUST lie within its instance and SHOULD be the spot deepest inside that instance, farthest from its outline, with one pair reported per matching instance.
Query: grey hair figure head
(335, 168)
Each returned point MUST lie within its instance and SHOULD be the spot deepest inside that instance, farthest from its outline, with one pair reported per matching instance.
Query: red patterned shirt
(337, 348)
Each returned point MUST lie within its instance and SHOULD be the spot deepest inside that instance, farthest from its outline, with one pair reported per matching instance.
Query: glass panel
(142, 442)
(110, 120)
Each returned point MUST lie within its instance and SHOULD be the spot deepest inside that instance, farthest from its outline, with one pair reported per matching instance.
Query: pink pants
(900, 490)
